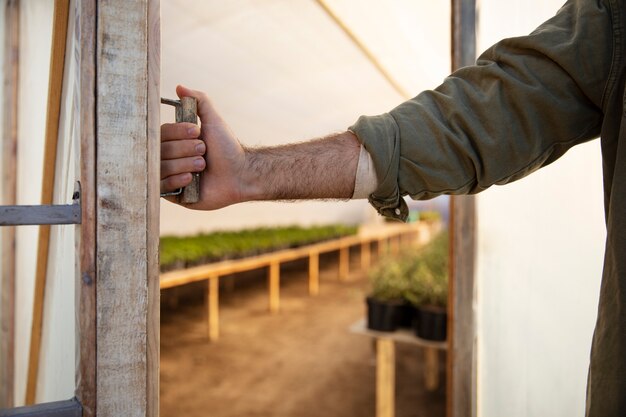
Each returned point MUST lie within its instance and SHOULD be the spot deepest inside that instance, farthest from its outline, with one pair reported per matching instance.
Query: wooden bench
(389, 238)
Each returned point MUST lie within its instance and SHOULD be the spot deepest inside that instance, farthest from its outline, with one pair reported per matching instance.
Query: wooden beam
(344, 262)
(385, 377)
(9, 190)
(213, 307)
(273, 281)
(431, 369)
(153, 205)
(461, 388)
(314, 273)
(127, 208)
(365, 255)
(55, 88)
(86, 278)
(35, 215)
(68, 408)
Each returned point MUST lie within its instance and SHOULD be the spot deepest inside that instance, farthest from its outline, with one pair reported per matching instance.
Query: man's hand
(182, 147)
(318, 169)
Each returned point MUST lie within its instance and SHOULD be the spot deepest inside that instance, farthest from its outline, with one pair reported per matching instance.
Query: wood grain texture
(55, 88)
(9, 191)
(34, 215)
(86, 278)
(188, 112)
(127, 211)
(461, 382)
(153, 204)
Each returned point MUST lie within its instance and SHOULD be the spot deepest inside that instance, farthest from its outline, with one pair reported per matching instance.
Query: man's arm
(319, 169)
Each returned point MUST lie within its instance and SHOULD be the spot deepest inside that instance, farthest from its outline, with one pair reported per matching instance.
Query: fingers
(175, 182)
(173, 167)
(176, 131)
(182, 149)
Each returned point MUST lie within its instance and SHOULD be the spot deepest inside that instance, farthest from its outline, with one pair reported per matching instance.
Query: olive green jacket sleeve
(523, 105)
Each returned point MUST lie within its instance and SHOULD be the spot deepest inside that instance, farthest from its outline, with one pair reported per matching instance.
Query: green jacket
(523, 105)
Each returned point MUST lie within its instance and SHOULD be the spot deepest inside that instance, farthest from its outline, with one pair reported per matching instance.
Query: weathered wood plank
(55, 88)
(154, 204)
(461, 380)
(69, 408)
(127, 346)
(9, 190)
(44, 214)
(86, 277)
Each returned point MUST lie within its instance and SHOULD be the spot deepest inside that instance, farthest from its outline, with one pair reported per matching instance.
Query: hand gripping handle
(186, 111)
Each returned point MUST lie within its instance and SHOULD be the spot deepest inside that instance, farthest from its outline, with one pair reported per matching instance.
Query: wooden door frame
(117, 280)
(462, 380)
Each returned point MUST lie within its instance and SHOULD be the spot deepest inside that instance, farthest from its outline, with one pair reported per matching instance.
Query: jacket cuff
(380, 137)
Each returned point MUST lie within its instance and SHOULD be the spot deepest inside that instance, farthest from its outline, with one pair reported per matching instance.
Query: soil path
(302, 362)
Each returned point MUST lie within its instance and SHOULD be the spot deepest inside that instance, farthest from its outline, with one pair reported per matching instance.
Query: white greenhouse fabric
(283, 71)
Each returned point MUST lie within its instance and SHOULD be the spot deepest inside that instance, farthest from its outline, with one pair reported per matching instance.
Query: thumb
(205, 109)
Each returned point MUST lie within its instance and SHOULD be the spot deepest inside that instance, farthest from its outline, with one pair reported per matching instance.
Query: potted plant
(388, 282)
(428, 289)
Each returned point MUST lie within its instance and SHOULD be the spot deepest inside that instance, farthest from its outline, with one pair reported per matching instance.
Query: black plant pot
(406, 315)
(383, 315)
(431, 323)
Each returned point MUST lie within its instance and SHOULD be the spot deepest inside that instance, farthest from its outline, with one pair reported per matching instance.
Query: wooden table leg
(365, 256)
(431, 369)
(344, 263)
(314, 273)
(385, 377)
(273, 276)
(213, 309)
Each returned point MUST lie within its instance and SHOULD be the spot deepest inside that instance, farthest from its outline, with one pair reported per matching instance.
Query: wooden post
(461, 382)
(395, 244)
(85, 295)
(365, 255)
(55, 87)
(213, 309)
(10, 64)
(382, 248)
(314, 273)
(127, 208)
(273, 277)
(344, 263)
(385, 377)
(431, 369)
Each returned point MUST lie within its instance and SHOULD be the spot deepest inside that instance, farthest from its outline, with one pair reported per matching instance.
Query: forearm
(319, 169)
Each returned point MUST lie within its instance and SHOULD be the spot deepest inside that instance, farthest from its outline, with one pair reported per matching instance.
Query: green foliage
(419, 276)
(179, 252)
(428, 280)
(389, 279)
(429, 216)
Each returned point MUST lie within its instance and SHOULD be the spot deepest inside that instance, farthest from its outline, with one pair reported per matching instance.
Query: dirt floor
(302, 362)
